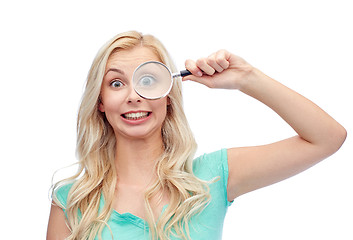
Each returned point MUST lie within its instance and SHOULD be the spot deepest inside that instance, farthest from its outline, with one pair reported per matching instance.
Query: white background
(46, 49)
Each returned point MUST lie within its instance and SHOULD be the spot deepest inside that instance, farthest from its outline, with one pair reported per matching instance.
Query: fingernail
(199, 73)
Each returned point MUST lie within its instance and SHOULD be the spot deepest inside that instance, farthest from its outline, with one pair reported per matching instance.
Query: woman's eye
(147, 81)
(116, 84)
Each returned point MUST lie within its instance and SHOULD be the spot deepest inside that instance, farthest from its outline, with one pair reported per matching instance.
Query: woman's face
(130, 115)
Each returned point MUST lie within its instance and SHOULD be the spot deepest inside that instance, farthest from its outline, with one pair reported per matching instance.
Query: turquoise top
(206, 225)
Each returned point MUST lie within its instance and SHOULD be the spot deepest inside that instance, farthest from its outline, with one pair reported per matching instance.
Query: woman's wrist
(251, 80)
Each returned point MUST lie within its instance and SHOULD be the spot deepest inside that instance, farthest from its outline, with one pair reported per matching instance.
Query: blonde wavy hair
(97, 175)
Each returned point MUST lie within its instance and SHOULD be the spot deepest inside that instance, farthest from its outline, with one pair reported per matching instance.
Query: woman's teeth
(135, 116)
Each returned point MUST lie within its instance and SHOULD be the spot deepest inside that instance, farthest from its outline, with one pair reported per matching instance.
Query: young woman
(137, 175)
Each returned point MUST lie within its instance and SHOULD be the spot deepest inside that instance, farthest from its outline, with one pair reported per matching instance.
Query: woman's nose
(132, 96)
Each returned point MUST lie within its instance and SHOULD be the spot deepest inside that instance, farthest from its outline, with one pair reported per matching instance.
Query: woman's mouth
(135, 115)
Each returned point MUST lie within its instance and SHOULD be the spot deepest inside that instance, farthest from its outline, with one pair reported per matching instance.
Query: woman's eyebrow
(115, 70)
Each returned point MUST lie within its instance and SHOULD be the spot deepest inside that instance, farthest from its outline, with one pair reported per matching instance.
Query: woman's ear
(100, 105)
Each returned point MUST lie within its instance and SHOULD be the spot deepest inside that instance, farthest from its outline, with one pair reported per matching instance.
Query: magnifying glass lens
(152, 80)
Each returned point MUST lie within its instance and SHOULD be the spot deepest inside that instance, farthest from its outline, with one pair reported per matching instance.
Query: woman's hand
(221, 69)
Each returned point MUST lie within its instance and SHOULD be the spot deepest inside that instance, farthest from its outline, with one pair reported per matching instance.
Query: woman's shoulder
(213, 158)
(214, 167)
(61, 192)
(214, 163)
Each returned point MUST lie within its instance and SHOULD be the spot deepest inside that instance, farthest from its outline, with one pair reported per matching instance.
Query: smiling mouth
(135, 116)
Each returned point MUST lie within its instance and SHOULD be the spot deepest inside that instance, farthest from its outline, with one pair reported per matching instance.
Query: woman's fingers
(216, 62)
(219, 70)
(219, 60)
(205, 67)
(193, 68)
(212, 62)
(222, 58)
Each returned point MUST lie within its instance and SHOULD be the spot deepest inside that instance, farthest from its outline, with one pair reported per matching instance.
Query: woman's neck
(135, 160)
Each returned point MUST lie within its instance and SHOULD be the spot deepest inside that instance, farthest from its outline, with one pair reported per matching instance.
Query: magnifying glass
(154, 80)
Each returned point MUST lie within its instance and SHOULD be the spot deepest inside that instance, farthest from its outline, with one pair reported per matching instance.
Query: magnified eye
(152, 80)
(147, 81)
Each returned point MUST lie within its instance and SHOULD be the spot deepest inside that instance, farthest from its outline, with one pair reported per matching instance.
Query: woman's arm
(57, 229)
(251, 168)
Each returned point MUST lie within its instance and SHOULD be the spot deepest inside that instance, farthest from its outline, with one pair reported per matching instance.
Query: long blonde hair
(97, 176)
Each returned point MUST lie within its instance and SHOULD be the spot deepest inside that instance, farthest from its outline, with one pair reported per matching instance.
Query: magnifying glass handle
(182, 73)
